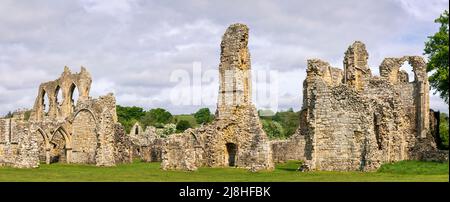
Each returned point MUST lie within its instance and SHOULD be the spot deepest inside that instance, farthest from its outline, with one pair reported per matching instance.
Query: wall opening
(59, 97)
(136, 130)
(58, 148)
(231, 150)
(45, 103)
(74, 94)
(406, 67)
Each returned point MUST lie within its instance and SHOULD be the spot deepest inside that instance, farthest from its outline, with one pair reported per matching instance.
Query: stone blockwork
(83, 131)
(351, 120)
(235, 137)
(147, 145)
(18, 148)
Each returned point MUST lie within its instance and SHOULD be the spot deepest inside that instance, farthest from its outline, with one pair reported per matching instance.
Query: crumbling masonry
(84, 131)
(235, 137)
(351, 120)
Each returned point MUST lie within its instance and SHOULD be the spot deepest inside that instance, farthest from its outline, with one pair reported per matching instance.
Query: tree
(289, 120)
(128, 116)
(182, 125)
(203, 115)
(443, 131)
(166, 130)
(273, 129)
(157, 117)
(8, 115)
(438, 59)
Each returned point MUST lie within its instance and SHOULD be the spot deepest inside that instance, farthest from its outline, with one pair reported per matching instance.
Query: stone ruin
(235, 137)
(85, 131)
(147, 144)
(352, 120)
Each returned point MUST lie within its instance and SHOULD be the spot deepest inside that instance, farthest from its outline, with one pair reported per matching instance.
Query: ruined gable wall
(365, 121)
(340, 134)
(82, 132)
(66, 83)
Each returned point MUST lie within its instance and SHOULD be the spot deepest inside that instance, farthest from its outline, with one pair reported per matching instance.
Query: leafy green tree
(166, 130)
(157, 117)
(128, 116)
(443, 130)
(438, 59)
(203, 115)
(290, 121)
(182, 125)
(273, 129)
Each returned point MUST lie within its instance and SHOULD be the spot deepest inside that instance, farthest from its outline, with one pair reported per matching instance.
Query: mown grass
(138, 171)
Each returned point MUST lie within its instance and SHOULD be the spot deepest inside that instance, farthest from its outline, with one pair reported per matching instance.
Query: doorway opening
(231, 150)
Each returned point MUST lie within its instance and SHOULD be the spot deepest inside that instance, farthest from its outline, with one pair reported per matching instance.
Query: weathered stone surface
(18, 148)
(147, 145)
(362, 121)
(235, 137)
(82, 131)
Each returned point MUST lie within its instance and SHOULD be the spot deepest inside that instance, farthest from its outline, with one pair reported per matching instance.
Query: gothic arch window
(74, 94)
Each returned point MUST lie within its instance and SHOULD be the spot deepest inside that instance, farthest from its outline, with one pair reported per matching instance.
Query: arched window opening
(74, 94)
(136, 130)
(407, 69)
(45, 103)
(59, 96)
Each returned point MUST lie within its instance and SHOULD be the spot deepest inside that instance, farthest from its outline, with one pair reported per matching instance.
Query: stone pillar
(234, 70)
(47, 155)
(356, 68)
(422, 95)
(68, 155)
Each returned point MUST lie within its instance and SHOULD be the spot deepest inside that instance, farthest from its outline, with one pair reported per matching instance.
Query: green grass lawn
(187, 117)
(138, 171)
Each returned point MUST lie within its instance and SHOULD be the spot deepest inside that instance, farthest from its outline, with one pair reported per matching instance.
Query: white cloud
(132, 46)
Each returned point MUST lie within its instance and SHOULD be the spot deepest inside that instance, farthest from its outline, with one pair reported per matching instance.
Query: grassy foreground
(402, 171)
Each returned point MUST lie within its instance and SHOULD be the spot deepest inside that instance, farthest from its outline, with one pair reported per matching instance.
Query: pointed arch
(58, 95)
(87, 110)
(44, 145)
(44, 103)
(60, 146)
(74, 94)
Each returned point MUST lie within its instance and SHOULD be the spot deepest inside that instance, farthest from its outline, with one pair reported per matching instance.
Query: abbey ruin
(84, 132)
(350, 120)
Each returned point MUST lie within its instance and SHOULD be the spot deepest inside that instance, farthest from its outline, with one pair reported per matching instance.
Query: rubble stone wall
(235, 137)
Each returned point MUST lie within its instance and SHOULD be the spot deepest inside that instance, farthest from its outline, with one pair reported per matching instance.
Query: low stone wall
(289, 149)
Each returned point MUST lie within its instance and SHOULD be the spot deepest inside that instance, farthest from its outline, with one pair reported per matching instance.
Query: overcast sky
(132, 47)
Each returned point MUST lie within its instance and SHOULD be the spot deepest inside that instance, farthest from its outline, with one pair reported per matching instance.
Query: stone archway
(58, 146)
(231, 154)
(43, 146)
(84, 137)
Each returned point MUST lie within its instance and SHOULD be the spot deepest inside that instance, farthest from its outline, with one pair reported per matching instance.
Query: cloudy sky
(134, 48)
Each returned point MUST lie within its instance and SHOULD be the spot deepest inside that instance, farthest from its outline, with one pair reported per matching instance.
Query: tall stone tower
(234, 71)
(356, 68)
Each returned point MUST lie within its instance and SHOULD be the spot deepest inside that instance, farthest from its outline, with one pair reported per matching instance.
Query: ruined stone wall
(362, 121)
(20, 151)
(147, 145)
(290, 149)
(235, 137)
(82, 132)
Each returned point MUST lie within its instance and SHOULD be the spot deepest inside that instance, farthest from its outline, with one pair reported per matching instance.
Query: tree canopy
(157, 117)
(203, 115)
(438, 59)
